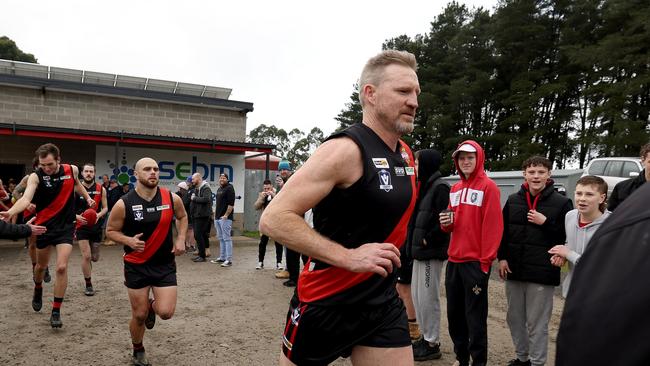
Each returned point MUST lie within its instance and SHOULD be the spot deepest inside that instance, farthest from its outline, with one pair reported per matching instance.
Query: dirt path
(224, 316)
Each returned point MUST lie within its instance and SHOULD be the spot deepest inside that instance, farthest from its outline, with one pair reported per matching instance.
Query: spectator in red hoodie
(475, 222)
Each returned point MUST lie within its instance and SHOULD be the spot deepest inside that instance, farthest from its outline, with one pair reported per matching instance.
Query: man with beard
(51, 188)
(90, 237)
(142, 221)
(361, 185)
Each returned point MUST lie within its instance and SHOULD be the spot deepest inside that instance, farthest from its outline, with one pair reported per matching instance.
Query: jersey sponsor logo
(162, 207)
(151, 209)
(467, 196)
(380, 163)
(138, 216)
(136, 207)
(399, 171)
(384, 180)
(64, 177)
(46, 180)
(410, 170)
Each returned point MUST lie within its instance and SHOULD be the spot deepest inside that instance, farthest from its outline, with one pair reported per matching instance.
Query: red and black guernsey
(375, 209)
(54, 198)
(95, 192)
(153, 219)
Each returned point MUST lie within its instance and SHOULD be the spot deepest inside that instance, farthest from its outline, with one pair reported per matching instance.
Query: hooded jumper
(425, 238)
(478, 222)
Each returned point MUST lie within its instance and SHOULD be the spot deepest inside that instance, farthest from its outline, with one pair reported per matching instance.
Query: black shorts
(405, 272)
(93, 235)
(318, 335)
(137, 276)
(55, 236)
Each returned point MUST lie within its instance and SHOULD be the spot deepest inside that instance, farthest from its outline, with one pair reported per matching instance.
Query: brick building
(113, 120)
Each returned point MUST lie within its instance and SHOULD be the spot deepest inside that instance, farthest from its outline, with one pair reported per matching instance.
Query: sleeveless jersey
(375, 209)
(54, 198)
(153, 219)
(95, 192)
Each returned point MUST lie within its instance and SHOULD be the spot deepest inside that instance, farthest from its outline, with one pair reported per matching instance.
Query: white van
(614, 170)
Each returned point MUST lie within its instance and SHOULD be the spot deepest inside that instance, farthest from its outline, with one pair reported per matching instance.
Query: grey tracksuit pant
(529, 310)
(425, 290)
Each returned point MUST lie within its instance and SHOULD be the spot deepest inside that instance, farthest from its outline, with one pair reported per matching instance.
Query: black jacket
(201, 205)
(605, 319)
(425, 238)
(624, 189)
(13, 231)
(524, 244)
(113, 195)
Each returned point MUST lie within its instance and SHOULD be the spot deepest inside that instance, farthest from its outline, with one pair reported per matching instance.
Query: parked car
(614, 170)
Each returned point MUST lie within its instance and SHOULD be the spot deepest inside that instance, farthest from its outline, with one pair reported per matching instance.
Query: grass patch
(251, 234)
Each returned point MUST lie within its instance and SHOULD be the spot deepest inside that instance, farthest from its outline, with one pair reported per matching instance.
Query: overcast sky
(296, 61)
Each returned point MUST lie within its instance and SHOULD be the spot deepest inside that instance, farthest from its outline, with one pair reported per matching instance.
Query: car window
(597, 167)
(629, 167)
(613, 169)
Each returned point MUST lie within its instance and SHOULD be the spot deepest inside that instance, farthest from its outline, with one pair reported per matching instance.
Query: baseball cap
(182, 185)
(464, 147)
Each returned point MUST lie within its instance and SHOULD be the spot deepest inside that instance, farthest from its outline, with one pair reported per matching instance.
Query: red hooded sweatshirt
(478, 222)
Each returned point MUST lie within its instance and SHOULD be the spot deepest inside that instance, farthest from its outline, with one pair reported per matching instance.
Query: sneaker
(260, 265)
(89, 291)
(198, 259)
(217, 261)
(517, 362)
(47, 278)
(151, 316)
(279, 266)
(423, 351)
(226, 264)
(37, 299)
(282, 275)
(289, 283)
(140, 359)
(55, 320)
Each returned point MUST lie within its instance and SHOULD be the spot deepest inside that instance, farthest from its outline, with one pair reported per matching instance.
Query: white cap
(182, 185)
(464, 147)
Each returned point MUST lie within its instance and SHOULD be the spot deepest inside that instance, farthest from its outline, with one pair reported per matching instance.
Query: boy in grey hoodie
(581, 224)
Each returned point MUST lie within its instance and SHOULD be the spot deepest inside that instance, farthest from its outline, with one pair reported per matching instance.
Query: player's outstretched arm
(25, 200)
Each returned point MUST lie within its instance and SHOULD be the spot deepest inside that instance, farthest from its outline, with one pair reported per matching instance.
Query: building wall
(20, 150)
(103, 113)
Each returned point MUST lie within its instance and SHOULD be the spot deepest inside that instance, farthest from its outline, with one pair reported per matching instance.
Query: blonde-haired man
(361, 184)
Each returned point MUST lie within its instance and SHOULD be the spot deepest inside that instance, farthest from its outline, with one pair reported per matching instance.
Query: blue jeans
(225, 240)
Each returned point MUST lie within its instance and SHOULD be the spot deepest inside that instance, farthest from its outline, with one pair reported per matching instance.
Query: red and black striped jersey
(152, 219)
(54, 198)
(375, 209)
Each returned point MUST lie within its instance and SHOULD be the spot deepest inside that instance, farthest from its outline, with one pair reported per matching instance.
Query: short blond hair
(373, 71)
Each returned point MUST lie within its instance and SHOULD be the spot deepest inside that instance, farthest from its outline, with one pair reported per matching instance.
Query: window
(614, 169)
(629, 167)
(597, 167)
